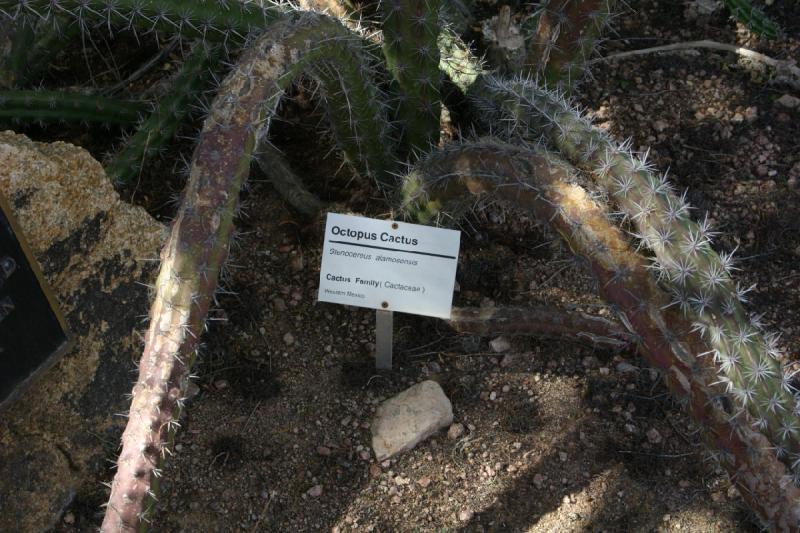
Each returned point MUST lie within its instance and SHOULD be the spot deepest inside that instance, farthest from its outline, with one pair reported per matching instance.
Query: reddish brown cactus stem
(542, 184)
(541, 321)
(198, 246)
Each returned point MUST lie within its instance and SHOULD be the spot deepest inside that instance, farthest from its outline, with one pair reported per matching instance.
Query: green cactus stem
(565, 37)
(288, 184)
(56, 106)
(12, 68)
(215, 20)
(198, 246)
(33, 48)
(410, 32)
(538, 182)
(545, 321)
(684, 261)
(356, 112)
(159, 128)
(752, 17)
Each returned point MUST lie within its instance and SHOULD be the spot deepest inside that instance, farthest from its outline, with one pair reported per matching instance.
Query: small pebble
(789, 101)
(288, 339)
(465, 515)
(323, 451)
(653, 436)
(500, 344)
(315, 491)
(455, 431)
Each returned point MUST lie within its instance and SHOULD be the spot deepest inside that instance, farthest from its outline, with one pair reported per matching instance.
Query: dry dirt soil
(557, 436)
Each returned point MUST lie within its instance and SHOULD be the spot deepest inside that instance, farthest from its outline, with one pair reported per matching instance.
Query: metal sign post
(388, 266)
(384, 322)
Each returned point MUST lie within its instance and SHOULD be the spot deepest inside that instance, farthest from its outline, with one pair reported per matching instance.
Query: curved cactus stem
(752, 17)
(698, 277)
(56, 106)
(565, 37)
(357, 112)
(220, 21)
(410, 32)
(159, 128)
(198, 246)
(288, 184)
(538, 182)
(544, 321)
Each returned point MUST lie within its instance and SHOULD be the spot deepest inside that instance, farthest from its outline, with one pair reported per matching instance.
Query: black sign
(32, 333)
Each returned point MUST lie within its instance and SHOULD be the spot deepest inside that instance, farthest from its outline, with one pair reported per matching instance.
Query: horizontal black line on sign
(392, 249)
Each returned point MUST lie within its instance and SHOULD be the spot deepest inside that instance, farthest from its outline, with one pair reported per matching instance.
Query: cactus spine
(540, 183)
(198, 245)
(52, 106)
(565, 37)
(698, 277)
(160, 127)
(410, 32)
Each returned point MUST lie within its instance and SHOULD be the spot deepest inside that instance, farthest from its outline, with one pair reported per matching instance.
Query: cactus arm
(539, 183)
(62, 106)
(540, 321)
(160, 127)
(198, 245)
(225, 21)
(565, 36)
(410, 32)
(699, 278)
(357, 113)
(752, 17)
(288, 184)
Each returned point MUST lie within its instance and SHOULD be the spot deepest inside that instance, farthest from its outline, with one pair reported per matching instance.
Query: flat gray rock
(409, 418)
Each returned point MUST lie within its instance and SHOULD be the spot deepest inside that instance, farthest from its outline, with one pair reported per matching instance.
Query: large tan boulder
(98, 254)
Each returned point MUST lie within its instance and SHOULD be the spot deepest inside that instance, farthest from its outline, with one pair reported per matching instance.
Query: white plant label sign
(383, 264)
